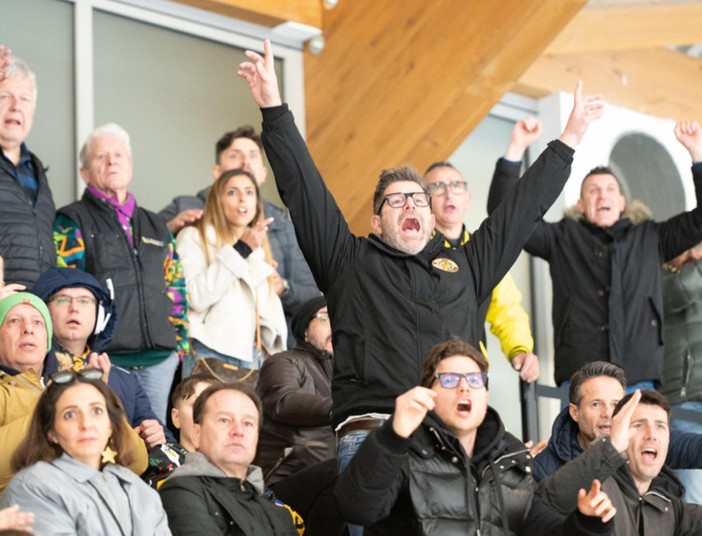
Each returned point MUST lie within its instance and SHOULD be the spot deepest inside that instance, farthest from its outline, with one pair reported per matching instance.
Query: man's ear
(573, 410)
(84, 175)
(264, 175)
(175, 418)
(216, 171)
(195, 438)
(375, 224)
(579, 206)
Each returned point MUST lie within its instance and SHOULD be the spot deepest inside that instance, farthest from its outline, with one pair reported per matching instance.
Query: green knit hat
(17, 298)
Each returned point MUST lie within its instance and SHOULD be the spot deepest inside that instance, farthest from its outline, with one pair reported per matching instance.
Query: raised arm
(525, 132)
(689, 134)
(259, 73)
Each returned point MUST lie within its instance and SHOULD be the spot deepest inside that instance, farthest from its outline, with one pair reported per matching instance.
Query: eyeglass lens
(450, 380)
(399, 199)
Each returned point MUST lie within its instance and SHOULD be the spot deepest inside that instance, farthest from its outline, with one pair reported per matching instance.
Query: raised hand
(689, 134)
(151, 431)
(621, 423)
(260, 75)
(101, 361)
(586, 108)
(596, 503)
(410, 410)
(184, 218)
(525, 132)
(535, 450)
(4, 61)
(253, 236)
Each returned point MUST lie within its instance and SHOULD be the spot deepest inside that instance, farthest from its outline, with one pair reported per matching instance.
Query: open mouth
(649, 454)
(411, 224)
(604, 429)
(464, 406)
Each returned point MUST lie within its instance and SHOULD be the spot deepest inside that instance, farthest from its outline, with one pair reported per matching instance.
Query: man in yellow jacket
(25, 339)
(509, 322)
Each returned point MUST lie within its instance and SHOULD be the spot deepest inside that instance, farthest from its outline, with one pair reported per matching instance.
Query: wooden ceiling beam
(405, 82)
(597, 29)
(656, 82)
(268, 13)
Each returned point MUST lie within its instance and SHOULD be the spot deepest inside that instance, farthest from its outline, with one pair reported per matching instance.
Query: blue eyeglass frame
(470, 377)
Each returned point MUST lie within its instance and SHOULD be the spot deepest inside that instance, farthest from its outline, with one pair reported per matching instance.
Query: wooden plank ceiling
(406, 82)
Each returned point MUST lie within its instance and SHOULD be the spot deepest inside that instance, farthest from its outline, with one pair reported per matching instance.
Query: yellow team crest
(447, 265)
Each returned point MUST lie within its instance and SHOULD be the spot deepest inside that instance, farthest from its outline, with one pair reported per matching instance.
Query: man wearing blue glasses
(444, 464)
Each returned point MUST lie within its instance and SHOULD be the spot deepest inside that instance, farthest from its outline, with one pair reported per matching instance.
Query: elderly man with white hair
(26, 204)
(130, 251)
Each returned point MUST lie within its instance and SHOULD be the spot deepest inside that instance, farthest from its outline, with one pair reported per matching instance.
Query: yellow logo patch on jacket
(447, 265)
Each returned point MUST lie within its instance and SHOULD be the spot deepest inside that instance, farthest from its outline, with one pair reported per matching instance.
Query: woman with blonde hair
(235, 313)
(72, 464)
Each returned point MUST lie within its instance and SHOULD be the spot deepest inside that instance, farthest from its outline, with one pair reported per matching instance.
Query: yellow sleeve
(509, 322)
(141, 456)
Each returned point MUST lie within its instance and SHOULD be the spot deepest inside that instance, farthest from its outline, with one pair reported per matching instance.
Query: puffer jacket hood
(636, 211)
(56, 279)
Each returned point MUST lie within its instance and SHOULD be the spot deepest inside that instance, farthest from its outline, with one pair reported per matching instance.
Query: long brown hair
(214, 216)
(36, 447)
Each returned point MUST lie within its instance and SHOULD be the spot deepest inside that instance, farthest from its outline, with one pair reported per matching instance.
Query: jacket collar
(197, 464)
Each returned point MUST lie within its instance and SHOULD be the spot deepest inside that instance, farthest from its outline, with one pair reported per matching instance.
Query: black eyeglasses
(439, 188)
(450, 380)
(399, 199)
(67, 376)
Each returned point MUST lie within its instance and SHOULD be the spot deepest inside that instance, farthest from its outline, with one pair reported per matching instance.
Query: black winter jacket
(387, 307)
(136, 274)
(295, 388)
(661, 510)
(682, 303)
(607, 300)
(26, 231)
(200, 499)
(427, 485)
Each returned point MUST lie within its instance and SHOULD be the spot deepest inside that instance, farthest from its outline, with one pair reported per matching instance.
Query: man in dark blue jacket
(84, 318)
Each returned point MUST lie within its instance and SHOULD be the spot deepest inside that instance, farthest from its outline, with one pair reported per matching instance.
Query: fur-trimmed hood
(636, 211)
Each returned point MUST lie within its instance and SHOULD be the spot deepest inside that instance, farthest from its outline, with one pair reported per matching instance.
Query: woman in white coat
(235, 313)
(72, 465)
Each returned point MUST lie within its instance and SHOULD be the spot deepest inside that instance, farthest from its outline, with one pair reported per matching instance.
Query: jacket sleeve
(688, 517)
(505, 178)
(284, 400)
(70, 246)
(599, 461)
(683, 231)
(142, 406)
(685, 451)
(11, 435)
(509, 322)
(370, 485)
(542, 519)
(293, 268)
(497, 243)
(322, 232)
(682, 288)
(176, 291)
(40, 497)
(187, 510)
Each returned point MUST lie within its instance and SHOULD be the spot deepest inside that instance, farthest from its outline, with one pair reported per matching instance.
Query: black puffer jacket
(607, 299)
(295, 387)
(26, 231)
(427, 485)
(682, 302)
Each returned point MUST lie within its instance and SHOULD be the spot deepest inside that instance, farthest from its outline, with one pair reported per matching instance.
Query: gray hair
(18, 68)
(110, 129)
